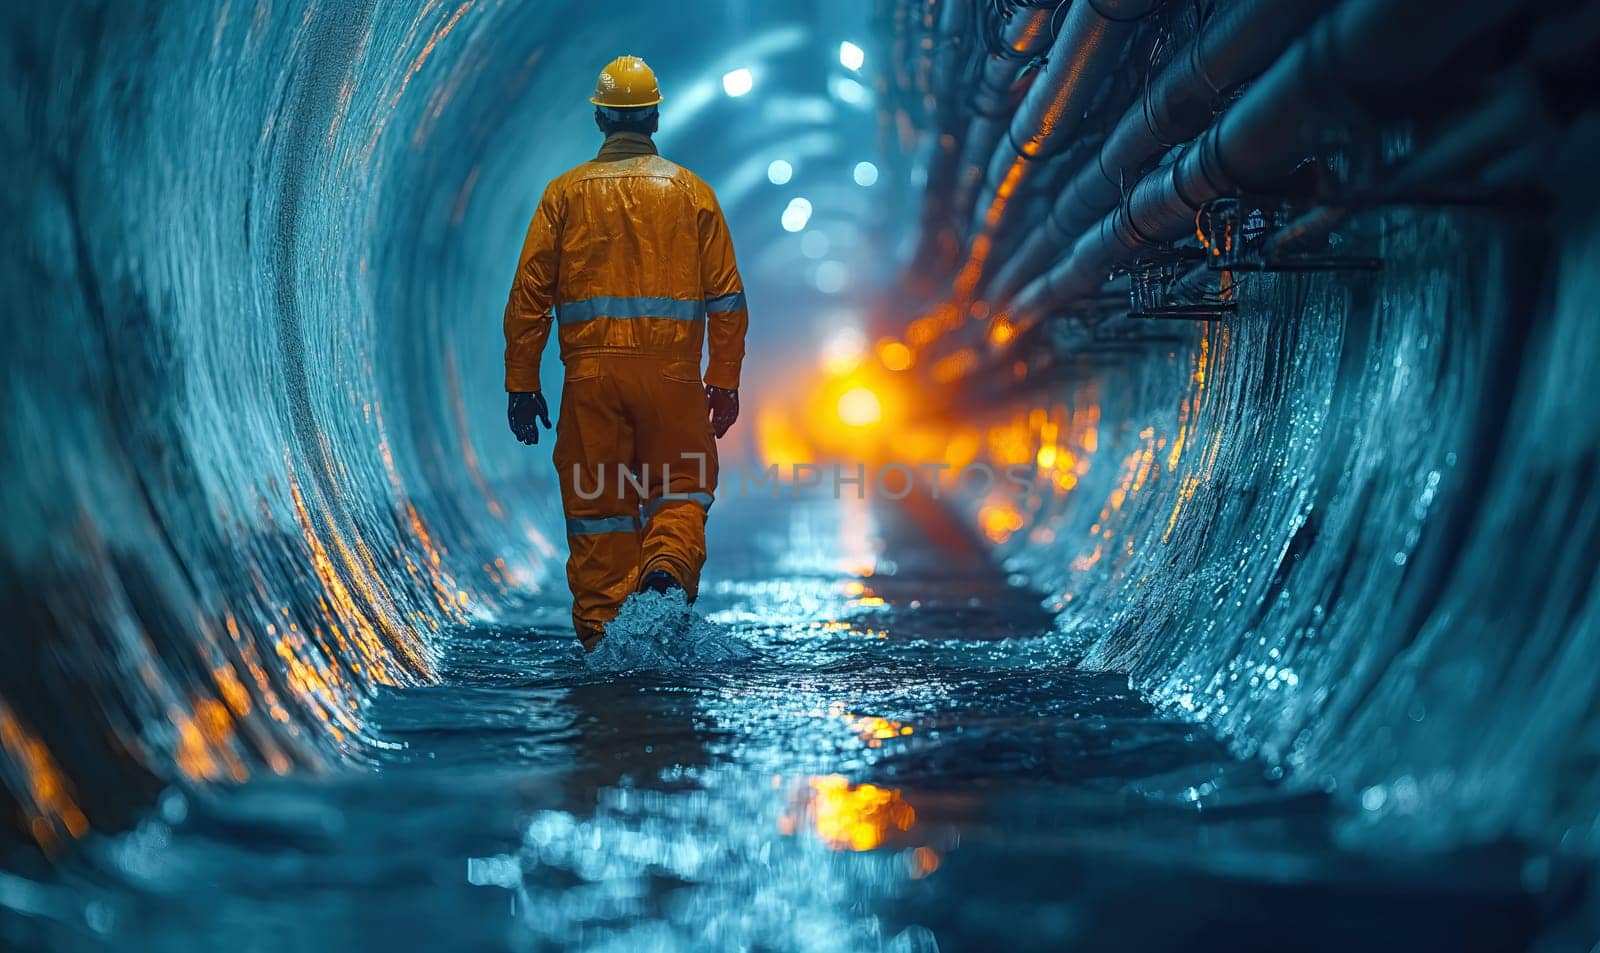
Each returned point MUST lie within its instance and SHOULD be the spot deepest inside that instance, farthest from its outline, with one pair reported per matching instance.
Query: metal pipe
(1027, 36)
(894, 83)
(1234, 45)
(957, 168)
(1448, 166)
(949, 61)
(1365, 55)
(1093, 35)
(955, 21)
(925, 72)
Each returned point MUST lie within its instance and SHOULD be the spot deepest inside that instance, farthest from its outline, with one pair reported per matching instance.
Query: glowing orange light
(859, 407)
(874, 730)
(962, 448)
(779, 440)
(950, 369)
(999, 520)
(45, 793)
(894, 355)
(855, 817)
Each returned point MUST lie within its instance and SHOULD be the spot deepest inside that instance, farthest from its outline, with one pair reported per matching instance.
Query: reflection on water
(849, 816)
(759, 776)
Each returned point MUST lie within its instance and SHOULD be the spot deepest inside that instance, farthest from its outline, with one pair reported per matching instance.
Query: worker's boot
(590, 636)
(661, 581)
(665, 583)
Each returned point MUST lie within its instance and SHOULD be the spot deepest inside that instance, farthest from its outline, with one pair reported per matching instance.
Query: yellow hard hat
(626, 83)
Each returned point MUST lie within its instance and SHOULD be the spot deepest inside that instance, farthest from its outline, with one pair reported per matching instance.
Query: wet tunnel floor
(831, 760)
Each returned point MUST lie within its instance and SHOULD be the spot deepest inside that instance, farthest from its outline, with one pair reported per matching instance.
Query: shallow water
(819, 759)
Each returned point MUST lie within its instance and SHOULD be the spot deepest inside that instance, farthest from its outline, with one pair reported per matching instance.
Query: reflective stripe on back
(733, 302)
(605, 306)
(598, 525)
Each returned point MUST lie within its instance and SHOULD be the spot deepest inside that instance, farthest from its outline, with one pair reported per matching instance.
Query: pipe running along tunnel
(1154, 411)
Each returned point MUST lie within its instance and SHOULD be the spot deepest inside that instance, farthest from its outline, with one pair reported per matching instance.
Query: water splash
(655, 632)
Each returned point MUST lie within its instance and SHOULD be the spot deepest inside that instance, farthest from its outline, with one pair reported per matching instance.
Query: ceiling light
(796, 215)
(738, 82)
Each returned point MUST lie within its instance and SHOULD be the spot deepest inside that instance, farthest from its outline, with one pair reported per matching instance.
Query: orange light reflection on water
(845, 816)
(1188, 412)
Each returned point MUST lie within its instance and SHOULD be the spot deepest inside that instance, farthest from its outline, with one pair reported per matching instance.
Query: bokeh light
(796, 214)
(860, 407)
(831, 277)
(738, 82)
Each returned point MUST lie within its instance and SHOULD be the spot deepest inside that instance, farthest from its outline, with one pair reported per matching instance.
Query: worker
(633, 255)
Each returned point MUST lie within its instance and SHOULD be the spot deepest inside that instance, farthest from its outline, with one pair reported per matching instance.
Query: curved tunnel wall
(1350, 527)
(240, 432)
(254, 455)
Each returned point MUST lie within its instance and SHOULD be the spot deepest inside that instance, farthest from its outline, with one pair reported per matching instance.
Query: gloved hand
(724, 408)
(525, 411)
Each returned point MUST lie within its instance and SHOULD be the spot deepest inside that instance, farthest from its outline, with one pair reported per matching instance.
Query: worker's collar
(626, 145)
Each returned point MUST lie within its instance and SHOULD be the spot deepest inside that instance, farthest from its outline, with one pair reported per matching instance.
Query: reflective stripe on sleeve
(733, 302)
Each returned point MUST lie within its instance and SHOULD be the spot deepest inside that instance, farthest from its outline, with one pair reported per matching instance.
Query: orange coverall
(634, 255)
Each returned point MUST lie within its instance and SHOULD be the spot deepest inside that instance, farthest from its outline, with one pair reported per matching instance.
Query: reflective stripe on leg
(598, 525)
(702, 499)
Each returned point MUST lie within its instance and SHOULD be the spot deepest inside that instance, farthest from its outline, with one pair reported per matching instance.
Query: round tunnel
(1339, 522)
